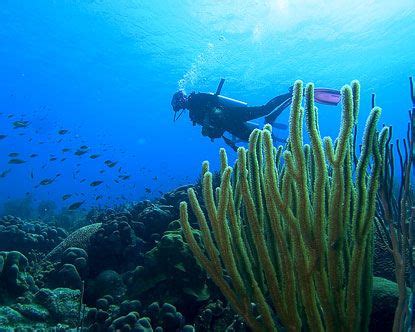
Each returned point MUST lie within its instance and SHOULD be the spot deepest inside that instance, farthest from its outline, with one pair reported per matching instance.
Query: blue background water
(106, 70)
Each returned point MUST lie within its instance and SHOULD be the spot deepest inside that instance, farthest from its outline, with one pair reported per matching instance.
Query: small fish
(102, 171)
(13, 154)
(63, 131)
(94, 156)
(33, 155)
(2, 136)
(4, 173)
(46, 182)
(155, 178)
(95, 183)
(80, 152)
(63, 159)
(65, 150)
(124, 177)
(84, 147)
(53, 159)
(10, 116)
(98, 197)
(66, 196)
(83, 180)
(31, 174)
(20, 124)
(110, 163)
(75, 205)
(147, 190)
(16, 161)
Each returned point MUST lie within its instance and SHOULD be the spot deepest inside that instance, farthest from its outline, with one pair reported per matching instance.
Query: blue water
(106, 70)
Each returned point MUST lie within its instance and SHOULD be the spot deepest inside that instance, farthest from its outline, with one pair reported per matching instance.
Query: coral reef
(27, 236)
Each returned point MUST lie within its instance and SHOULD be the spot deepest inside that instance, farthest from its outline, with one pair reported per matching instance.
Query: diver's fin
(327, 96)
(281, 126)
(252, 125)
(219, 89)
(270, 118)
(230, 143)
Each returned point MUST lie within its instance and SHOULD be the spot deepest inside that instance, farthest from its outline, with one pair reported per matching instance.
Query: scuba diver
(218, 114)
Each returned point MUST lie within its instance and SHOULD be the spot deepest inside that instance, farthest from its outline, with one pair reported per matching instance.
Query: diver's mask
(178, 103)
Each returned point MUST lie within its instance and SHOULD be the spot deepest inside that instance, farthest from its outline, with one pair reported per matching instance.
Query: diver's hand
(212, 132)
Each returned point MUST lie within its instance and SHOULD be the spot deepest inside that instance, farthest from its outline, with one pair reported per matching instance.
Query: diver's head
(178, 102)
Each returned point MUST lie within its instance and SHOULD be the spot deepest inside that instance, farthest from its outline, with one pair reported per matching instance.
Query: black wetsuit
(215, 118)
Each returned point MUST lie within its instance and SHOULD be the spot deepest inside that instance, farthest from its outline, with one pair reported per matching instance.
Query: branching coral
(290, 231)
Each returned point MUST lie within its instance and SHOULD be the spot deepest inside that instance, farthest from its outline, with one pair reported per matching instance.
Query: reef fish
(16, 161)
(46, 182)
(13, 154)
(80, 152)
(94, 156)
(110, 163)
(95, 183)
(20, 124)
(63, 131)
(2, 136)
(66, 196)
(75, 205)
(4, 173)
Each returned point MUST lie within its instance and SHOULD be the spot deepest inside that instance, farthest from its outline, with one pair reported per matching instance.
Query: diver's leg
(240, 130)
(271, 117)
(277, 101)
(243, 114)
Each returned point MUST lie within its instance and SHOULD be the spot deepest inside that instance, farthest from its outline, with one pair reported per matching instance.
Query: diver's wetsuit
(215, 118)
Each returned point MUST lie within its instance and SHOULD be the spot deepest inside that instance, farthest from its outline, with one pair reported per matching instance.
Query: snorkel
(178, 102)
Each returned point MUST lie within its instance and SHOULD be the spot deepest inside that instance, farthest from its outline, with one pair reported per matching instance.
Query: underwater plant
(395, 218)
(290, 240)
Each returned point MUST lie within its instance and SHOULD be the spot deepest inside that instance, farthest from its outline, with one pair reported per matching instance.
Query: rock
(108, 282)
(62, 303)
(68, 277)
(28, 235)
(33, 312)
(14, 280)
(10, 317)
(385, 298)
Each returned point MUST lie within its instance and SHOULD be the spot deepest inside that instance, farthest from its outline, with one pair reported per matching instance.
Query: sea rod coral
(290, 240)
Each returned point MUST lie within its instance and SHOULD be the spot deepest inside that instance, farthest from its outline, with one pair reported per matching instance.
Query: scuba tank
(226, 101)
(230, 102)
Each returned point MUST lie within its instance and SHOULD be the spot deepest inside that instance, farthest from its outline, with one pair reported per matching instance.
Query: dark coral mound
(28, 236)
